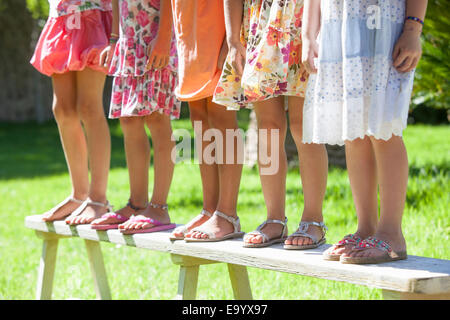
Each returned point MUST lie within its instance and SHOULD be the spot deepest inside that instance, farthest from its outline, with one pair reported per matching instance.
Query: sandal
(60, 205)
(117, 216)
(266, 241)
(302, 232)
(212, 236)
(89, 202)
(156, 225)
(350, 239)
(374, 243)
(183, 229)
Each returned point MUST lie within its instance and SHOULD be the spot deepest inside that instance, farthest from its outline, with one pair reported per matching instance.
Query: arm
(310, 30)
(408, 49)
(233, 21)
(160, 52)
(108, 52)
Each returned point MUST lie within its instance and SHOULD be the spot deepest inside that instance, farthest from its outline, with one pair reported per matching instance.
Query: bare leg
(222, 119)
(313, 162)
(161, 131)
(73, 142)
(271, 117)
(137, 151)
(392, 169)
(90, 85)
(209, 172)
(362, 173)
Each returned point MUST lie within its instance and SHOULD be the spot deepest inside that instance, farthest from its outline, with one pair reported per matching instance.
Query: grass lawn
(33, 178)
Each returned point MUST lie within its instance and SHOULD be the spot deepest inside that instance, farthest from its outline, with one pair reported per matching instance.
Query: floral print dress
(136, 90)
(271, 33)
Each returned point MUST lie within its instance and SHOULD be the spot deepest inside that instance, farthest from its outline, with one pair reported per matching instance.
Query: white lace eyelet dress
(357, 92)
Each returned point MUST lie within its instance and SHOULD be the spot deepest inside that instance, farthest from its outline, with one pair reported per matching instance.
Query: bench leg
(395, 295)
(240, 282)
(47, 269)
(98, 269)
(187, 283)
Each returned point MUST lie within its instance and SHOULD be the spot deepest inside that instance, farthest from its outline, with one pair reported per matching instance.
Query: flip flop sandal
(302, 232)
(60, 205)
(157, 225)
(117, 216)
(212, 236)
(350, 239)
(184, 229)
(266, 241)
(374, 243)
(86, 203)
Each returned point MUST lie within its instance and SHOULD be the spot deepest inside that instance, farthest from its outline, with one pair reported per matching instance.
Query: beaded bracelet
(113, 40)
(415, 19)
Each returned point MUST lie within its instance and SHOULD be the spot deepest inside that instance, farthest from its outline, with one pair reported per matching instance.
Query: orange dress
(200, 31)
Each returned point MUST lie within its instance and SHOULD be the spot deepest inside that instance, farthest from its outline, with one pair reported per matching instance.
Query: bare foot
(216, 225)
(62, 210)
(155, 212)
(93, 210)
(272, 230)
(196, 222)
(315, 231)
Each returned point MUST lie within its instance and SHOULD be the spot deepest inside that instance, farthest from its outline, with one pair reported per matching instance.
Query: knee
(270, 124)
(64, 110)
(90, 110)
(198, 114)
(296, 128)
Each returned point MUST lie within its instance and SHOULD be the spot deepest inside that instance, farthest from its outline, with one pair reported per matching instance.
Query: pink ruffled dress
(75, 34)
(136, 90)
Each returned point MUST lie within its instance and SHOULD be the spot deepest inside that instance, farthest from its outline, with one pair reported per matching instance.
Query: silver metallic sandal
(302, 232)
(183, 229)
(212, 236)
(86, 203)
(266, 241)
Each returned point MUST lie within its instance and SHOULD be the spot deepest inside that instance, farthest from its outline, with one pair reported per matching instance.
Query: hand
(310, 51)
(106, 55)
(237, 54)
(159, 54)
(222, 55)
(407, 51)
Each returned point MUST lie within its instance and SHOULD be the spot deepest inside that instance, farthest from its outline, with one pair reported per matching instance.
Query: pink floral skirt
(143, 95)
(72, 43)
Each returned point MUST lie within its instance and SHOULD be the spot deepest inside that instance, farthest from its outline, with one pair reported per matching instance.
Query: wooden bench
(414, 278)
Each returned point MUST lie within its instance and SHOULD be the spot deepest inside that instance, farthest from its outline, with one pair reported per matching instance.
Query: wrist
(233, 41)
(412, 27)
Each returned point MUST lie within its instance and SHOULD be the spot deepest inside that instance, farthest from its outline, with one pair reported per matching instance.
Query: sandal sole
(149, 230)
(373, 260)
(264, 244)
(305, 247)
(226, 237)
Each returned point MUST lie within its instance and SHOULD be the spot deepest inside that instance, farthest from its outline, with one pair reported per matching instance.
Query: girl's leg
(392, 168)
(137, 152)
(313, 162)
(271, 117)
(72, 139)
(90, 85)
(362, 173)
(209, 172)
(229, 173)
(161, 132)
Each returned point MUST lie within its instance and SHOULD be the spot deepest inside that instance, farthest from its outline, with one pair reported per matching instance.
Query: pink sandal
(157, 225)
(117, 216)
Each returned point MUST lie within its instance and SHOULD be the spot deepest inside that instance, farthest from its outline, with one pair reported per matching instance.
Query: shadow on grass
(31, 150)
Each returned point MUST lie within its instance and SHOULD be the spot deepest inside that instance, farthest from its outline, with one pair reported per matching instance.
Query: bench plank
(414, 275)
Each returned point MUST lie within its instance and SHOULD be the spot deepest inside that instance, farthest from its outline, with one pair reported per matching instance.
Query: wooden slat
(414, 275)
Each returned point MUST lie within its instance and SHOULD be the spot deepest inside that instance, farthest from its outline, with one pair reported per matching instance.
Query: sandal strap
(349, 239)
(135, 208)
(146, 220)
(206, 213)
(259, 232)
(88, 202)
(303, 229)
(115, 216)
(164, 207)
(372, 242)
(72, 199)
(234, 221)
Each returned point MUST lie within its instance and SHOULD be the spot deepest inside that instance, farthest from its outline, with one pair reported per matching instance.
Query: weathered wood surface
(415, 275)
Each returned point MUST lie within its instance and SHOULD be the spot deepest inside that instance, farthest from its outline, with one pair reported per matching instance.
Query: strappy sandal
(156, 225)
(183, 229)
(89, 202)
(60, 205)
(374, 243)
(266, 241)
(212, 236)
(302, 232)
(350, 239)
(117, 216)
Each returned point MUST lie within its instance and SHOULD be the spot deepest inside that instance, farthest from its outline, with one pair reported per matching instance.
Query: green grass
(33, 178)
